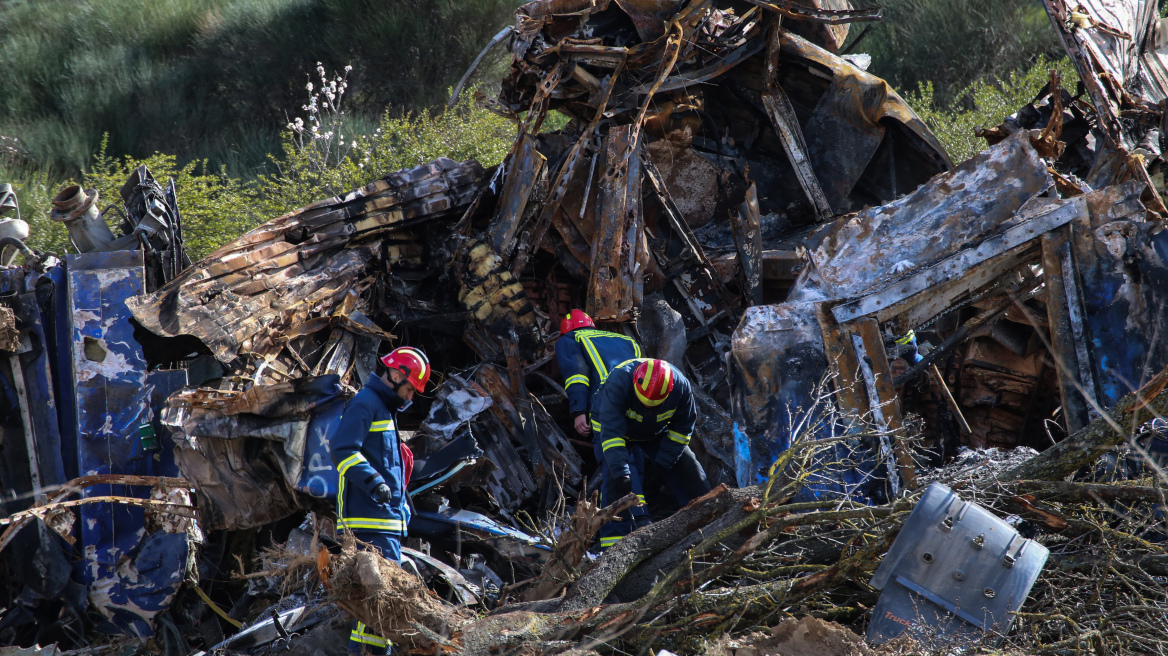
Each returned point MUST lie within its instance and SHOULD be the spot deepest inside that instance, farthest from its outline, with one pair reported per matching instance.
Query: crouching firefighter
(585, 355)
(643, 416)
(371, 499)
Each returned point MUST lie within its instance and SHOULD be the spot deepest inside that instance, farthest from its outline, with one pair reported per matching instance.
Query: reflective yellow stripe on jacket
(362, 635)
(613, 443)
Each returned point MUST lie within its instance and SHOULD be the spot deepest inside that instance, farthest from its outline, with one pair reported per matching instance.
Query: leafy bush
(326, 156)
(214, 207)
(211, 79)
(325, 153)
(952, 44)
(983, 105)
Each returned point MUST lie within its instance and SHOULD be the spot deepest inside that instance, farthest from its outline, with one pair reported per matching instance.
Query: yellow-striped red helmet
(653, 381)
(575, 319)
(411, 362)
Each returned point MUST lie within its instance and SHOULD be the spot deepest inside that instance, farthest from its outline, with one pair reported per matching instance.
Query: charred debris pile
(859, 316)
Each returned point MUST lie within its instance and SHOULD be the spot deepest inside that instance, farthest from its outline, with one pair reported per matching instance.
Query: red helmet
(575, 319)
(411, 362)
(653, 381)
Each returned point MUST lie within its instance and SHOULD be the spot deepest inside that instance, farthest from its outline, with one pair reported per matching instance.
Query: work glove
(668, 455)
(621, 487)
(382, 494)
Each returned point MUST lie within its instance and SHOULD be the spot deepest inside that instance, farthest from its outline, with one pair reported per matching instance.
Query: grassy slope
(212, 79)
(955, 43)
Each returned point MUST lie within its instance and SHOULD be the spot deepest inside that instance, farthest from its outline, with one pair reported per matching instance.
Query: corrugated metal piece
(617, 250)
(244, 295)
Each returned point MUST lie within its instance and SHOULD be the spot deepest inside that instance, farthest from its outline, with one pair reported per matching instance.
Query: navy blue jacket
(366, 452)
(619, 417)
(586, 356)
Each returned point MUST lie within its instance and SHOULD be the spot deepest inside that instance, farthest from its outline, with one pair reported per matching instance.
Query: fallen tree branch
(638, 546)
(1087, 492)
(560, 569)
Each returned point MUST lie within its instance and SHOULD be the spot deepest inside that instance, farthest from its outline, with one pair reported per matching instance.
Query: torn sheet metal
(445, 524)
(260, 455)
(847, 128)
(524, 169)
(875, 246)
(526, 449)
(618, 258)
(1116, 49)
(242, 297)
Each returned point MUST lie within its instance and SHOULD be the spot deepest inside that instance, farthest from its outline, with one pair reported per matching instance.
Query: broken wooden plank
(1056, 248)
(868, 331)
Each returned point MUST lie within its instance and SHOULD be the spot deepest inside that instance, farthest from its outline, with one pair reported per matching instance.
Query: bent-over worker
(586, 355)
(644, 413)
(373, 464)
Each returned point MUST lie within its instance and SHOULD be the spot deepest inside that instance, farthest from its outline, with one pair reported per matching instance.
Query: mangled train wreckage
(731, 188)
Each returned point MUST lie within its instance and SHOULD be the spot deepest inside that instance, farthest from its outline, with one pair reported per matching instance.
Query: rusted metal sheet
(783, 118)
(525, 166)
(883, 400)
(617, 250)
(1056, 250)
(748, 238)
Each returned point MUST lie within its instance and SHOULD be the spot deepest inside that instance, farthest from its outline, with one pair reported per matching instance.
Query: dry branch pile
(740, 560)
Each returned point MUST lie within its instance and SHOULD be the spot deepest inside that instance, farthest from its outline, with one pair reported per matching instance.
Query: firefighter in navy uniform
(586, 355)
(371, 499)
(644, 414)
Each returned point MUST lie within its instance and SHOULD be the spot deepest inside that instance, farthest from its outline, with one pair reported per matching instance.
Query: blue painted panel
(112, 401)
(160, 452)
(1123, 277)
(59, 338)
(319, 478)
(129, 604)
(38, 383)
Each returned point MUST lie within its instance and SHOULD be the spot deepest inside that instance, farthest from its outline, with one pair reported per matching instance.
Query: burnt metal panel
(112, 401)
(1122, 274)
(777, 360)
(617, 250)
(857, 252)
(959, 265)
(748, 239)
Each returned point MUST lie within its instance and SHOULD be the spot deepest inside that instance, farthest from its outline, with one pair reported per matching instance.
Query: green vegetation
(954, 44)
(986, 104)
(216, 207)
(213, 79)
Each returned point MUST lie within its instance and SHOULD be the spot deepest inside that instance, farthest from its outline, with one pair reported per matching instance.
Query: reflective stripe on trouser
(360, 638)
(613, 531)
